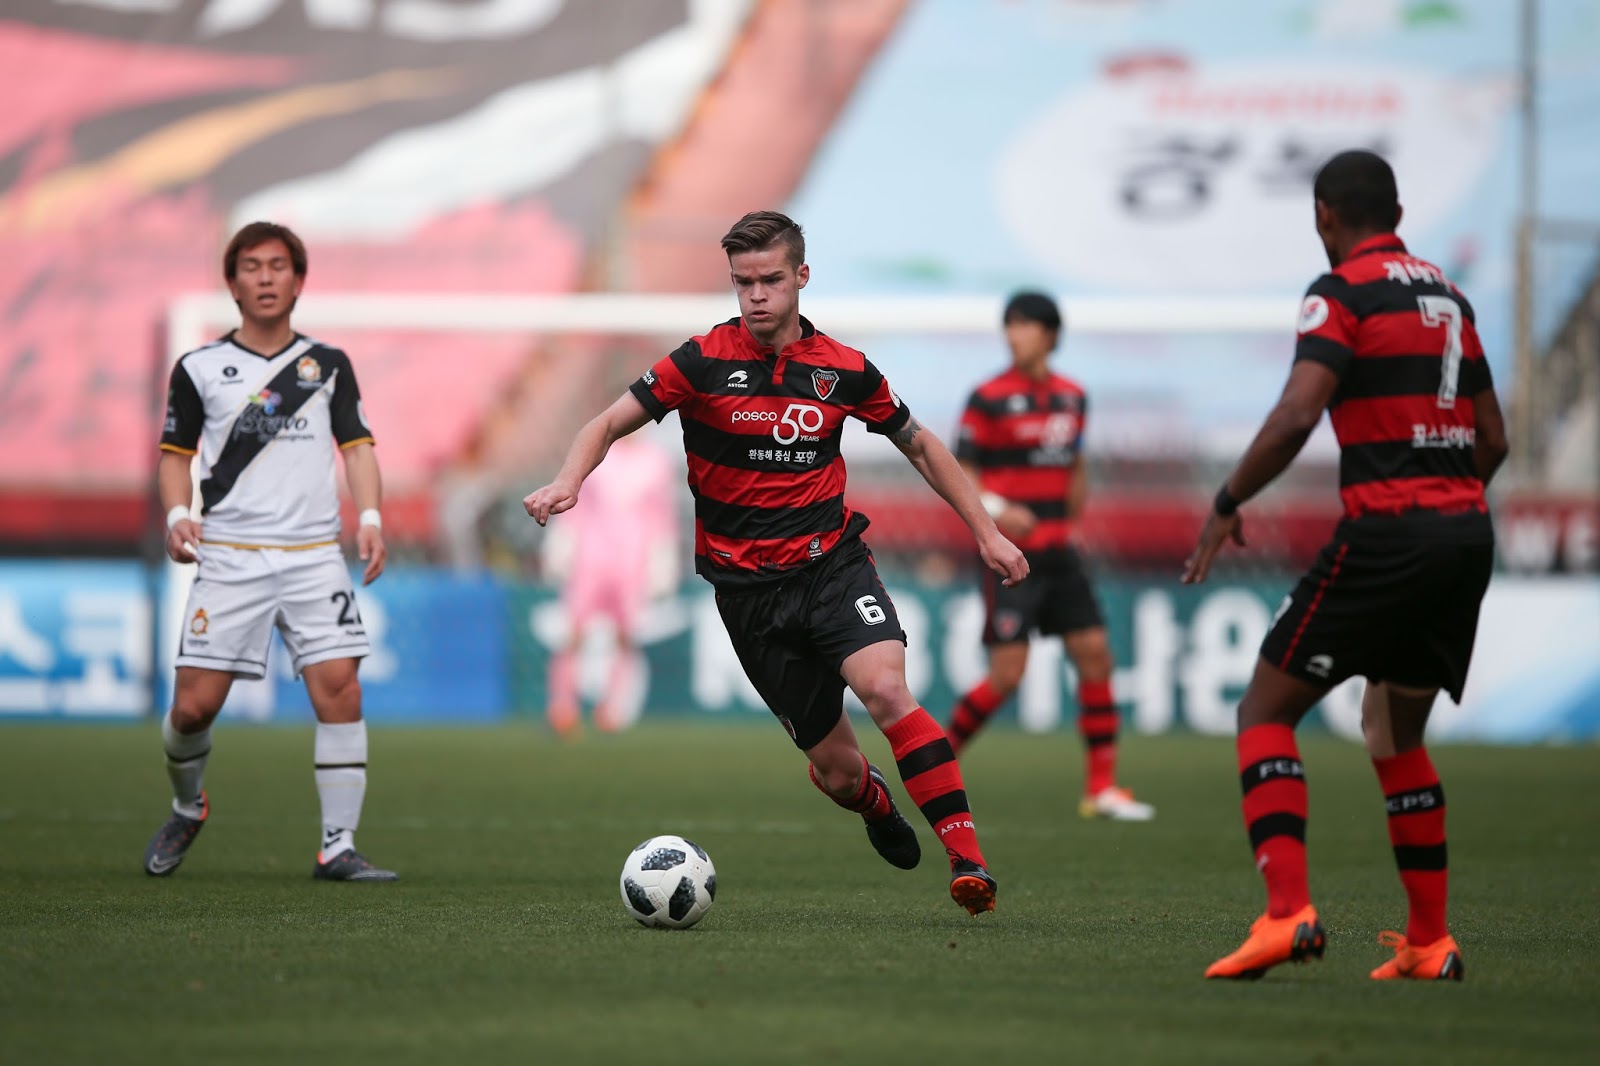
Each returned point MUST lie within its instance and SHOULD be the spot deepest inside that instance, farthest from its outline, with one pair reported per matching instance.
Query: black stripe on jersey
(1049, 510)
(1330, 353)
(1384, 460)
(252, 431)
(1378, 295)
(737, 522)
(723, 377)
(849, 388)
(1001, 406)
(652, 406)
(1409, 375)
(1036, 458)
(733, 449)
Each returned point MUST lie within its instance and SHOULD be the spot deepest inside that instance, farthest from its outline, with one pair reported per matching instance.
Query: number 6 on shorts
(871, 613)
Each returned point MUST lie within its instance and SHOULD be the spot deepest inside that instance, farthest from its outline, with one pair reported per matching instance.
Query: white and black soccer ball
(668, 883)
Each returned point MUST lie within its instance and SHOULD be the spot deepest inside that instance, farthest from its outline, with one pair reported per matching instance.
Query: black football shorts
(792, 636)
(1056, 598)
(1403, 610)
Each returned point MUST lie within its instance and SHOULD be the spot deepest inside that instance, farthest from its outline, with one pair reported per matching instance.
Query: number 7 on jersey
(1444, 311)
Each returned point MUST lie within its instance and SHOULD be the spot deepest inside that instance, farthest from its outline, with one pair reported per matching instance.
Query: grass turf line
(506, 939)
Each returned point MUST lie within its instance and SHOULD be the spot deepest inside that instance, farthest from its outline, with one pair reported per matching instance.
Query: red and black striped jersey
(761, 430)
(1024, 437)
(1403, 341)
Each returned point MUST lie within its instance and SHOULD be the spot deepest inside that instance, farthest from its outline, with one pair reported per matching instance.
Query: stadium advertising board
(76, 639)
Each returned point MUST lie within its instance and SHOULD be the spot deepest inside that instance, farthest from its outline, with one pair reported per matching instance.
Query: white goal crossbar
(193, 319)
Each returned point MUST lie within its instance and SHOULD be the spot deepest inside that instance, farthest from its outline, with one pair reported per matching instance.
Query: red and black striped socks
(870, 799)
(972, 711)
(928, 767)
(1097, 725)
(1416, 829)
(1274, 783)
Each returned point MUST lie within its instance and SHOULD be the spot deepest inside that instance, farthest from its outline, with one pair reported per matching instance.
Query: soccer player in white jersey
(264, 409)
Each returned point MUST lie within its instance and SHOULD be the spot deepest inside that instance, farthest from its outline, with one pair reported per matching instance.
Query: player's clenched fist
(552, 499)
(1004, 558)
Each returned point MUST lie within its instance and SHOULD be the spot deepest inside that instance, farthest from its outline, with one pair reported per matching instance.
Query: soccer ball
(668, 883)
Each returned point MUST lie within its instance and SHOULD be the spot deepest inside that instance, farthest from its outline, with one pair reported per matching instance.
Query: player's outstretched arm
(941, 471)
(589, 447)
(366, 488)
(1309, 389)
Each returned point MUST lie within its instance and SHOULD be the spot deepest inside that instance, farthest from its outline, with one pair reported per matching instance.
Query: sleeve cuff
(352, 443)
(654, 407)
(177, 449)
(893, 424)
(1336, 357)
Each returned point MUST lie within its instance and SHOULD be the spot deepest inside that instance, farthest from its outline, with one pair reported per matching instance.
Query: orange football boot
(1438, 961)
(1273, 940)
(972, 887)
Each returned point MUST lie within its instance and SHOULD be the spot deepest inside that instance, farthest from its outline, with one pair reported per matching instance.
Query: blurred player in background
(1389, 346)
(617, 549)
(1021, 443)
(763, 399)
(265, 409)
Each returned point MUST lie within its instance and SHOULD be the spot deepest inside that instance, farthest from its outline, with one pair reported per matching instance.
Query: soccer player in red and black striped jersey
(1021, 443)
(763, 399)
(1388, 345)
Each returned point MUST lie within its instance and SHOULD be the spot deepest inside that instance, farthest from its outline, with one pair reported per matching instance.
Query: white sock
(186, 766)
(341, 770)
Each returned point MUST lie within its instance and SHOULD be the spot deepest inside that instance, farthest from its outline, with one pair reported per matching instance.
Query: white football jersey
(265, 428)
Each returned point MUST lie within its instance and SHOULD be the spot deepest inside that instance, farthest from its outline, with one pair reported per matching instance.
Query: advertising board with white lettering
(78, 640)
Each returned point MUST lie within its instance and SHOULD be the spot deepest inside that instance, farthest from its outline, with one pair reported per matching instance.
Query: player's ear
(1326, 219)
(802, 275)
(1398, 212)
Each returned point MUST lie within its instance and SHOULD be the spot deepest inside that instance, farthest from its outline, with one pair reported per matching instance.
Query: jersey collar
(232, 337)
(1383, 242)
(807, 331)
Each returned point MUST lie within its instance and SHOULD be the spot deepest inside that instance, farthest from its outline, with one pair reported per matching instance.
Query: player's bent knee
(191, 715)
(887, 699)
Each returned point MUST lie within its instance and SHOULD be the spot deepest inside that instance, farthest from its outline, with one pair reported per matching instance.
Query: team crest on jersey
(815, 549)
(309, 371)
(824, 381)
(199, 623)
(1313, 313)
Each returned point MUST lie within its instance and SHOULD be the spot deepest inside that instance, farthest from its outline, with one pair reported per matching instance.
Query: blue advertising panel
(438, 655)
(74, 639)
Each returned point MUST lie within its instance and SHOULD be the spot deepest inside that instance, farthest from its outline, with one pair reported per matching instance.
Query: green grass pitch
(506, 940)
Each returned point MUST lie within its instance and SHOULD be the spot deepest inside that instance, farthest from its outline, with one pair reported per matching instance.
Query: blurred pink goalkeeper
(614, 550)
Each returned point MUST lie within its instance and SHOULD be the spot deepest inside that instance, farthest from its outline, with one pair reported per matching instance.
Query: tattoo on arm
(902, 437)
